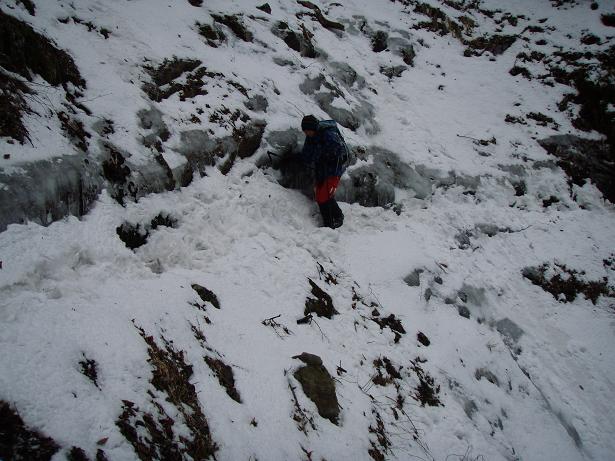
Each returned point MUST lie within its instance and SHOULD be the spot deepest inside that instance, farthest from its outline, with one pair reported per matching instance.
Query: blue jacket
(326, 151)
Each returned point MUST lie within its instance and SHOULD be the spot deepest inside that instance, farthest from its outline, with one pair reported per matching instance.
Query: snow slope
(513, 371)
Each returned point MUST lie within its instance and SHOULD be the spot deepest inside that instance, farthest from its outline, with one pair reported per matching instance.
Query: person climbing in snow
(325, 150)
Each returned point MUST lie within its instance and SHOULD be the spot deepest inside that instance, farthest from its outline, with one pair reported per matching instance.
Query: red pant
(324, 191)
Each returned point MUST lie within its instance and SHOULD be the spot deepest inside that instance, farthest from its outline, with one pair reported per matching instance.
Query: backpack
(332, 125)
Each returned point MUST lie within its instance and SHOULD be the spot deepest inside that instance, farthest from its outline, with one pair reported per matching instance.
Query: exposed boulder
(212, 34)
(265, 7)
(347, 75)
(301, 42)
(257, 103)
(380, 41)
(392, 71)
(408, 54)
(318, 386)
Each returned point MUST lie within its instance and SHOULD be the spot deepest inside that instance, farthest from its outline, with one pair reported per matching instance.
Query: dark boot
(337, 215)
(325, 211)
(332, 215)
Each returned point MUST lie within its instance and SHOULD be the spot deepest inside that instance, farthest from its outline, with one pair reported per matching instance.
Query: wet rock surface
(201, 150)
(318, 386)
(49, 190)
(374, 184)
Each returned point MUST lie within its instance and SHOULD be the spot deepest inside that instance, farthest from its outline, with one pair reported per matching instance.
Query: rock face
(25, 51)
(318, 386)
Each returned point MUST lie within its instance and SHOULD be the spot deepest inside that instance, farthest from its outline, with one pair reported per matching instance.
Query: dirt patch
(584, 159)
(386, 373)
(12, 107)
(77, 454)
(427, 391)
(212, 34)
(328, 277)
(320, 17)
(18, 442)
(392, 323)
(439, 22)
(136, 235)
(89, 24)
(133, 235)
(153, 436)
(542, 119)
(513, 119)
(170, 69)
(566, 284)
(206, 295)
(74, 130)
(235, 23)
(608, 19)
(321, 304)
(25, 51)
(163, 219)
(164, 75)
(89, 368)
(382, 445)
(225, 376)
(494, 44)
(520, 70)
